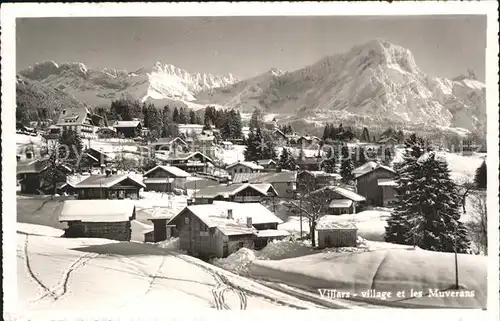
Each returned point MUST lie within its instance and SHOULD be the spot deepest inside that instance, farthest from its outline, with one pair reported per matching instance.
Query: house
(278, 136)
(128, 129)
(333, 233)
(196, 183)
(227, 145)
(268, 164)
(109, 186)
(170, 144)
(367, 185)
(245, 131)
(312, 180)
(308, 140)
(309, 163)
(366, 167)
(194, 162)
(97, 157)
(165, 178)
(390, 140)
(109, 219)
(190, 129)
(284, 182)
(221, 228)
(244, 167)
(80, 120)
(241, 193)
(341, 200)
(31, 178)
(106, 132)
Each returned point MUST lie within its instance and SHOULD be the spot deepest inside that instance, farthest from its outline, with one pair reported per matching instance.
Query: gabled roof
(251, 165)
(126, 123)
(340, 203)
(266, 161)
(379, 167)
(386, 139)
(348, 194)
(366, 167)
(266, 177)
(317, 174)
(97, 210)
(73, 116)
(277, 130)
(172, 170)
(103, 181)
(37, 166)
(186, 156)
(232, 189)
(216, 214)
(168, 141)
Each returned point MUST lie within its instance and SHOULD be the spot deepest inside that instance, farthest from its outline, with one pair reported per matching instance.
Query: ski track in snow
(27, 262)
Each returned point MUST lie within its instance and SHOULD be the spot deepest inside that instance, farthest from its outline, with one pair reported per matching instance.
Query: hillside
(43, 100)
(376, 83)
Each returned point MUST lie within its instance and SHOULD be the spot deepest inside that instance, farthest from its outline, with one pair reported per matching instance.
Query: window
(203, 227)
(241, 170)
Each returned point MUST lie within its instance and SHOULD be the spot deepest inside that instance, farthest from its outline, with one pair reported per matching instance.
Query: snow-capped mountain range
(374, 83)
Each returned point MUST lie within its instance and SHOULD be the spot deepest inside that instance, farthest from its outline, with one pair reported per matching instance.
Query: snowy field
(59, 274)
(230, 156)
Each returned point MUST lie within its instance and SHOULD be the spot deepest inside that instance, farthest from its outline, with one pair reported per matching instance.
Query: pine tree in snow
(253, 152)
(286, 161)
(480, 178)
(427, 213)
(346, 167)
(330, 160)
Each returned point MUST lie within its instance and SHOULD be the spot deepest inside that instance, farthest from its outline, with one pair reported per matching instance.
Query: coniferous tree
(365, 136)
(268, 147)
(175, 116)
(153, 119)
(286, 161)
(253, 152)
(70, 146)
(192, 117)
(22, 114)
(182, 116)
(346, 166)
(256, 119)
(329, 163)
(481, 177)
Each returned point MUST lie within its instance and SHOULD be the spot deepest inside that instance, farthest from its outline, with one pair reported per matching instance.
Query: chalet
(244, 167)
(341, 200)
(109, 219)
(109, 186)
(366, 167)
(284, 182)
(165, 178)
(293, 139)
(245, 131)
(170, 144)
(332, 233)
(80, 120)
(227, 145)
(308, 140)
(268, 164)
(368, 185)
(128, 129)
(30, 175)
(97, 157)
(194, 162)
(278, 136)
(390, 140)
(312, 180)
(309, 163)
(241, 193)
(190, 129)
(221, 228)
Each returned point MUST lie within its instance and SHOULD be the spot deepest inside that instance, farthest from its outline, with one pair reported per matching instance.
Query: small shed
(333, 233)
(109, 219)
(263, 237)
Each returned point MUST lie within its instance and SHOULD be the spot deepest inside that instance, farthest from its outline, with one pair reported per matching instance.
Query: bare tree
(464, 187)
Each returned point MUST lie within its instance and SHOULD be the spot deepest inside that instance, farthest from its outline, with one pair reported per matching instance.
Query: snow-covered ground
(28, 139)
(60, 274)
(229, 156)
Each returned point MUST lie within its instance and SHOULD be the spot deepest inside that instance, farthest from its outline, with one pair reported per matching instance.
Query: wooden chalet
(194, 162)
(340, 200)
(268, 164)
(377, 185)
(128, 129)
(244, 167)
(308, 181)
(222, 228)
(170, 144)
(309, 163)
(278, 136)
(108, 186)
(284, 182)
(109, 219)
(31, 177)
(165, 179)
(80, 120)
(241, 193)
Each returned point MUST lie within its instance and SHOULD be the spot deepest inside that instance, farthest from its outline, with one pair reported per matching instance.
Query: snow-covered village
(353, 181)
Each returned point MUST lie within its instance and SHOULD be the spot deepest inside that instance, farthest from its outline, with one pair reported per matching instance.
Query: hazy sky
(443, 46)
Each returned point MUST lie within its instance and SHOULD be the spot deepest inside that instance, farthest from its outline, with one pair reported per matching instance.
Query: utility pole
(456, 260)
(300, 215)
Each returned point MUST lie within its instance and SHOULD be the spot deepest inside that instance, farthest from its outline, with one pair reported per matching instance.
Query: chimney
(249, 222)
(230, 214)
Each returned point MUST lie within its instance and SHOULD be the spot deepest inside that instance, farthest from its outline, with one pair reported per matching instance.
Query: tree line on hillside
(227, 121)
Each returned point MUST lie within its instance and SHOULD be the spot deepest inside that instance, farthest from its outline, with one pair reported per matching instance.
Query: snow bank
(33, 229)
(170, 244)
(283, 249)
(238, 262)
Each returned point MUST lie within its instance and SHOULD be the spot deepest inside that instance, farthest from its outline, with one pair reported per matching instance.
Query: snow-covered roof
(158, 180)
(216, 214)
(227, 143)
(72, 116)
(168, 141)
(126, 123)
(266, 177)
(97, 210)
(266, 161)
(386, 182)
(322, 174)
(340, 203)
(172, 170)
(271, 233)
(366, 167)
(186, 156)
(235, 229)
(232, 189)
(332, 222)
(348, 194)
(379, 166)
(98, 181)
(251, 165)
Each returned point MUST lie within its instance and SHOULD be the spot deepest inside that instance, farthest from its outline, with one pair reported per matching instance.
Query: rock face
(373, 82)
(98, 86)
